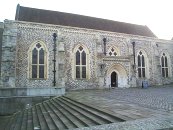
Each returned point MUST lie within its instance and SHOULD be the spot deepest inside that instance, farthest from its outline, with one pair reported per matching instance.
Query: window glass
(166, 63)
(41, 56)
(38, 62)
(163, 72)
(84, 72)
(139, 61)
(139, 72)
(78, 72)
(162, 59)
(112, 52)
(34, 56)
(83, 58)
(77, 58)
(80, 63)
(143, 61)
(34, 71)
(143, 72)
(141, 65)
(41, 71)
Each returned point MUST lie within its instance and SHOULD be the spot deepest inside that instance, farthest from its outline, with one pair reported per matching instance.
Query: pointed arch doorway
(114, 79)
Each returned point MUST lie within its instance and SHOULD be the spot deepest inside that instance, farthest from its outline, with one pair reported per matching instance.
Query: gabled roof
(74, 20)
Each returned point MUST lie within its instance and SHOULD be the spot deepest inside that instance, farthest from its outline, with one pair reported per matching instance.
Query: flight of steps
(59, 113)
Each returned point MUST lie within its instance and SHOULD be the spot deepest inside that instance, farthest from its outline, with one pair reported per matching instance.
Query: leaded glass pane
(166, 62)
(34, 56)
(143, 72)
(143, 61)
(163, 72)
(140, 53)
(80, 48)
(41, 56)
(115, 53)
(166, 72)
(34, 71)
(139, 61)
(77, 72)
(83, 58)
(139, 72)
(77, 58)
(162, 60)
(38, 45)
(41, 71)
(83, 72)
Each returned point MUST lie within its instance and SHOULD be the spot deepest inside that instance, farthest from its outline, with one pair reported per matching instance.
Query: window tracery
(112, 52)
(37, 61)
(164, 65)
(141, 65)
(81, 63)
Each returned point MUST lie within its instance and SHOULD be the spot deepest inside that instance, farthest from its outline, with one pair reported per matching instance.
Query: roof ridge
(95, 17)
(77, 20)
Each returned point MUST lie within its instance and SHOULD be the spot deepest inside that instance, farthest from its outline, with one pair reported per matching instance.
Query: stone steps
(85, 118)
(59, 113)
(77, 117)
(97, 111)
(95, 118)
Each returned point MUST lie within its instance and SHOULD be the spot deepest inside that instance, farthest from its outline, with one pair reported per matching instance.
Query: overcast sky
(156, 14)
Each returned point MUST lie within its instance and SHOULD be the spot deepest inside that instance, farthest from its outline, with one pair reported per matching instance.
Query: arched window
(81, 63)
(38, 57)
(164, 65)
(113, 52)
(141, 65)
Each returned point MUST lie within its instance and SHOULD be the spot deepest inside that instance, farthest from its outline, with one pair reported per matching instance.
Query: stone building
(90, 52)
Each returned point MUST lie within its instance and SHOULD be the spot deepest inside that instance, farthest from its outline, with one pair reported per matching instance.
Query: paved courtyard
(106, 109)
(131, 103)
(153, 97)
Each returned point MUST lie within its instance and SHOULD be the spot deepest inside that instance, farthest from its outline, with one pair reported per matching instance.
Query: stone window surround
(115, 49)
(74, 62)
(146, 64)
(168, 63)
(30, 60)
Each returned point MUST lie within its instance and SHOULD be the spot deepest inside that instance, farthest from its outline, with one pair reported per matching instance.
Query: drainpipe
(54, 60)
(104, 43)
(134, 62)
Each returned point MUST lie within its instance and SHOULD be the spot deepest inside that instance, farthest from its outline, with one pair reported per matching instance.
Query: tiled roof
(74, 20)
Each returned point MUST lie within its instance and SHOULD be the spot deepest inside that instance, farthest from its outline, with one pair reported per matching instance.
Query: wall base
(16, 99)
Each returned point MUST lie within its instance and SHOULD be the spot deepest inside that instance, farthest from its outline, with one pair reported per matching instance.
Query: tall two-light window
(81, 63)
(38, 54)
(141, 65)
(164, 65)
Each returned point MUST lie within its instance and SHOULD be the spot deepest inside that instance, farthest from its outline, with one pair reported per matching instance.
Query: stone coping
(29, 87)
(33, 92)
(44, 96)
(140, 124)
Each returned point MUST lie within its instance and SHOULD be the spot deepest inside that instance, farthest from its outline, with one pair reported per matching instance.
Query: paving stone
(137, 108)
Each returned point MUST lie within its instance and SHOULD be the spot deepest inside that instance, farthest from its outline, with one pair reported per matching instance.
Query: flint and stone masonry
(91, 53)
(18, 37)
(113, 68)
